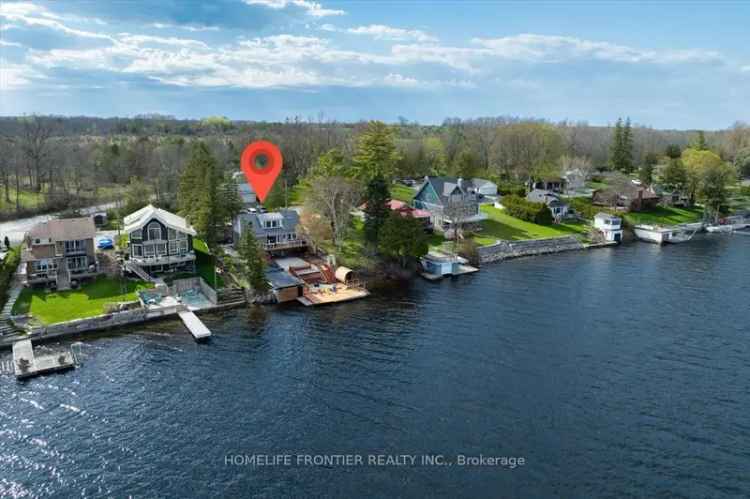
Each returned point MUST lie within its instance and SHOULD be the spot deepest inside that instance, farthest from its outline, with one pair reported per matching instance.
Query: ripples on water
(615, 373)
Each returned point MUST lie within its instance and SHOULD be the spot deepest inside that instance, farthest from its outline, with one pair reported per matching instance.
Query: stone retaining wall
(513, 249)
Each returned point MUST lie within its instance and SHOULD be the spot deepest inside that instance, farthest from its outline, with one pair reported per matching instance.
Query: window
(136, 235)
(77, 263)
(137, 250)
(172, 247)
(154, 231)
(172, 234)
(183, 246)
(272, 224)
(148, 250)
(74, 246)
(161, 249)
(181, 235)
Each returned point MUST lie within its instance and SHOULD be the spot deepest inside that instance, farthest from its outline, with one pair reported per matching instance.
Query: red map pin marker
(261, 163)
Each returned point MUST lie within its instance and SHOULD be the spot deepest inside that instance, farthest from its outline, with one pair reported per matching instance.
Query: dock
(194, 325)
(326, 295)
(27, 365)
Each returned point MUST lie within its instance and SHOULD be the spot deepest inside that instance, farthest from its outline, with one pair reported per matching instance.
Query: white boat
(662, 235)
(719, 228)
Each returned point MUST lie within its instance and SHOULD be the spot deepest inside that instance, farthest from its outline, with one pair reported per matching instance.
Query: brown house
(628, 197)
(58, 251)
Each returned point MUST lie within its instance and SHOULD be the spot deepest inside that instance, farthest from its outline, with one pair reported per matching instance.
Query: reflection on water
(616, 372)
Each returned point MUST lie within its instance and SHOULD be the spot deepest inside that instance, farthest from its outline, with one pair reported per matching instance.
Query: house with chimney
(450, 201)
(626, 197)
(58, 252)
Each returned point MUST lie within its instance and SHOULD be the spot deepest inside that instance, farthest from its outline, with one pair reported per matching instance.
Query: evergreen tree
(202, 194)
(699, 143)
(377, 196)
(627, 147)
(615, 150)
(621, 150)
(254, 262)
(646, 173)
(403, 239)
(673, 151)
(674, 177)
(376, 152)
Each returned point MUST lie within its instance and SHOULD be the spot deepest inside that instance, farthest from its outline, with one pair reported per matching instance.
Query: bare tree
(35, 144)
(334, 198)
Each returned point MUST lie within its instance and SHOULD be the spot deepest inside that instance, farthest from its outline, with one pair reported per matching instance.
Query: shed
(344, 274)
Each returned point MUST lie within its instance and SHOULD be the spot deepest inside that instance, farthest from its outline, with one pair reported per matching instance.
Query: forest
(52, 163)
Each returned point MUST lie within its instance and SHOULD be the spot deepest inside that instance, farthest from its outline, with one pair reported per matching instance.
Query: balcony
(282, 245)
(163, 259)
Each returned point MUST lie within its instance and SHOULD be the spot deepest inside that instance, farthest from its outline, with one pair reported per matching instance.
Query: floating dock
(27, 365)
(326, 295)
(194, 325)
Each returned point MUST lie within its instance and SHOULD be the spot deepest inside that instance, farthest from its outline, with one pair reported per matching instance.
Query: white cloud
(551, 49)
(15, 76)
(382, 32)
(186, 27)
(314, 9)
(37, 16)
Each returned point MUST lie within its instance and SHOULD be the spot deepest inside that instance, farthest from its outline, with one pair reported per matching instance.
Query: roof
(64, 229)
(288, 218)
(542, 196)
(606, 216)
(138, 219)
(445, 186)
(482, 182)
(279, 279)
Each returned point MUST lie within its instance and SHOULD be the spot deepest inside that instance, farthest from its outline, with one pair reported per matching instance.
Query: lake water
(614, 373)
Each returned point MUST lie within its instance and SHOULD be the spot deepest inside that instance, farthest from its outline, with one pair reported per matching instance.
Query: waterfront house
(559, 208)
(448, 200)
(60, 251)
(626, 197)
(609, 225)
(437, 264)
(159, 241)
(274, 231)
(554, 184)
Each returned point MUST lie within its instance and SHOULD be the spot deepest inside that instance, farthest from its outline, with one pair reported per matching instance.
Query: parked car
(105, 243)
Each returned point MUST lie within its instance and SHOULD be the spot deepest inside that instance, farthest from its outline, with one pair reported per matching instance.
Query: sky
(679, 65)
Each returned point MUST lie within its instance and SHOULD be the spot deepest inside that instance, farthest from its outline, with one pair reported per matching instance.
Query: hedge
(519, 207)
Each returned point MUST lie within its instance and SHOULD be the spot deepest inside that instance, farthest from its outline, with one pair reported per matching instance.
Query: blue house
(449, 200)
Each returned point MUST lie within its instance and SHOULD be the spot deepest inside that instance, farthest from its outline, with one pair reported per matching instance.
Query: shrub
(511, 188)
(519, 207)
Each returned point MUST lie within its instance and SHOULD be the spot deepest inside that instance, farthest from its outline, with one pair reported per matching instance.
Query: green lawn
(87, 301)
(500, 225)
(402, 192)
(352, 254)
(665, 216)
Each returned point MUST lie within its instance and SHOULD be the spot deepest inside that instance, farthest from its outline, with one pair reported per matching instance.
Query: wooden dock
(26, 364)
(325, 295)
(194, 325)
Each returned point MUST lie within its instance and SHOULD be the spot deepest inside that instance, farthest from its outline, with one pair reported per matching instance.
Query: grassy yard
(26, 199)
(500, 225)
(352, 254)
(87, 301)
(665, 216)
(402, 192)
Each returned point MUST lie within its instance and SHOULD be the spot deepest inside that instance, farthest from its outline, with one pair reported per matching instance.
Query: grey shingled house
(274, 231)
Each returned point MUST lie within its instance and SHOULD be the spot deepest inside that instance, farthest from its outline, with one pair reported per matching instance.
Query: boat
(714, 229)
(730, 224)
(662, 235)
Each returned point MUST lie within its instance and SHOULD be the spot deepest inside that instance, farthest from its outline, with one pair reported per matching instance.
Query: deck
(325, 296)
(23, 353)
(194, 325)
